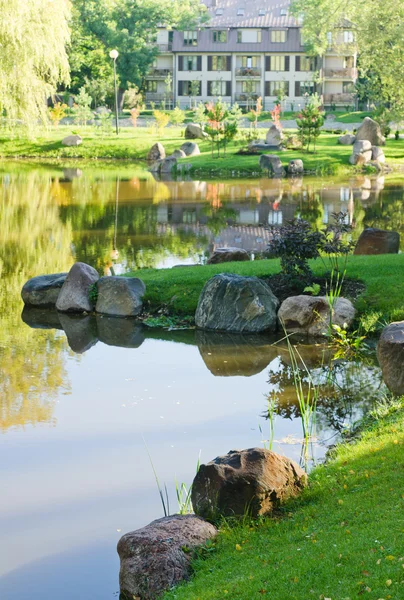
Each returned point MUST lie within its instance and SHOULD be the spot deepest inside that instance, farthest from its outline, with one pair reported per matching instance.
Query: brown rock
(157, 557)
(254, 481)
(378, 241)
(390, 354)
(310, 315)
(222, 255)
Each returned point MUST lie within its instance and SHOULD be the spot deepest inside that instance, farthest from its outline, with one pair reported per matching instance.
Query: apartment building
(249, 49)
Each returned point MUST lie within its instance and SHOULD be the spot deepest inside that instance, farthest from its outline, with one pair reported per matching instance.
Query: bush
(177, 116)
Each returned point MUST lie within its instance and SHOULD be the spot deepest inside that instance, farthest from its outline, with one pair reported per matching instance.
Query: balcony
(165, 47)
(253, 97)
(349, 73)
(339, 98)
(154, 97)
(248, 72)
(159, 73)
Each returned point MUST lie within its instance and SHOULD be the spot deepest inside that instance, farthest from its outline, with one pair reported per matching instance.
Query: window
(344, 194)
(218, 88)
(219, 12)
(274, 88)
(304, 87)
(329, 39)
(151, 86)
(307, 63)
(348, 62)
(189, 88)
(284, 12)
(189, 215)
(248, 87)
(278, 63)
(348, 37)
(190, 38)
(248, 62)
(240, 12)
(278, 36)
(348, 87)
(239, 37)
(275, 217)
(259, 36)
(191, 63)
(219, 63)
(262, 12)
(220, 35)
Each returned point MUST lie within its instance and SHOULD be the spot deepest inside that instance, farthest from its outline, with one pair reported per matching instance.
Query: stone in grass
(377, 241)
(390, 354)
(156, 152)
(75, 293)
(239, 304)
(346, 140)
(370, 131)
(157, 557)
(178, 154)
(296, 167)
(120, 296)
(310, 315)
(272, 163)
(221, 255)
(72, 140)
(254, 482)
(194, 132)
(43, 290)
(190, 149)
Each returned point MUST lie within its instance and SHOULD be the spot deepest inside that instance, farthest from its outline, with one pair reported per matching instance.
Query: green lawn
(178, 289)
(351, 117)
(342, 539)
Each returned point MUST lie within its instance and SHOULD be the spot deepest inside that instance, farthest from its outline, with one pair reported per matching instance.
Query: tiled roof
(248, 13)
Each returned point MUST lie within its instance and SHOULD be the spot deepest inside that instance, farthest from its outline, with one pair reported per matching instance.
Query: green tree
(33, 39)
(131, 27)
(378, 33)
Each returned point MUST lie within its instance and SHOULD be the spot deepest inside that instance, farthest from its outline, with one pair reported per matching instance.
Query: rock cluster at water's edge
(75, 293)
(310, 315)
(43, 290)
(222, 255)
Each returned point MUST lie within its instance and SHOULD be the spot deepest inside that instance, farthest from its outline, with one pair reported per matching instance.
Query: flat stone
(74, 295)
(157, 557)
(221, 255)
(43, 290)
(80, 330)
(254, 482)
(390, 354)
(310, 315)
(120, 296)
(272, 163)
(239, 304)
(72, 140)
(194, 132)
(377, 241)
(190, 149)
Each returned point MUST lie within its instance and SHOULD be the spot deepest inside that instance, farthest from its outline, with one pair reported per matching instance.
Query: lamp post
(114, 55)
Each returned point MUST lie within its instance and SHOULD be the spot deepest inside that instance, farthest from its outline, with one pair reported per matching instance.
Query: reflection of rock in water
(118, 331)
(39, 318)
(81, 332)
(227, 354)
(312, 355)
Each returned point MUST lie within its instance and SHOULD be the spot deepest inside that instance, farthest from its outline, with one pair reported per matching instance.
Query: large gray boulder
(239, 304)
(158, 556)
(310, 315)
(166, 165)
(156, 152)
(43, 290)
(361, 153)
(377, 241)
(178, 154)
(346, 140)
(72, 140)
(254, 481)
(75, 293)
(222, 255)
(390, 354)
(190, 149)
(378, 154)
(194, 132)
(274, 136)
(296, 167)
(120, 296)
(272, 163)
(370, 130)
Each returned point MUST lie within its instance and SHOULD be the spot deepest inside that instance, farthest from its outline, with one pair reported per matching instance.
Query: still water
(80, 398)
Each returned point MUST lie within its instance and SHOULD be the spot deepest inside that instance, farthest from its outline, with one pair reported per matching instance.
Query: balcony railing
(349, 73)
(165, 47)
(159, 72)
(248, 72)
(154, 97)
(247, 97)
(339, 98)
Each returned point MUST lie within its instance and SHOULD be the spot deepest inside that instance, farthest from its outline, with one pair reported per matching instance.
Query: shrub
(57, 112)
(177, 116)
(309, 122)
(162, 119)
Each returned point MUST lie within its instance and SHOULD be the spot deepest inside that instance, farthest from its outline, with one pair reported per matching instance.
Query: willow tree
(379, 36)
(33, 59)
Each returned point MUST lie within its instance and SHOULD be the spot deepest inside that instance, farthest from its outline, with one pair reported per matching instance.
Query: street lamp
(114, 55)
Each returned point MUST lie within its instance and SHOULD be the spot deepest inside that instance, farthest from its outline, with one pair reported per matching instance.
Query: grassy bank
(178, 289)
(134, 144)
(341, 539)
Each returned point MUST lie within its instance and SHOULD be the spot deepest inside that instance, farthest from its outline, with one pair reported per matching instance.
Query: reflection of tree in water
(347, 390)
(311, 209)
(34, 241)
(218, 217)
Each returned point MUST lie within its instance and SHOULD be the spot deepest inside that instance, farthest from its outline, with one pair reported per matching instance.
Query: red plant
(276, 113)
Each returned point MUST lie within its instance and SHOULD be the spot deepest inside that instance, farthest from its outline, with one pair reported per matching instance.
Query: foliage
(276, 115)
(379, 35)
(81, 107)
(57, 112)
(162, 119)
(333, 244)
(93, 293)
(200, 113)
(134, 115)
(295, 243)
(221, 127)
(309, 123)
(177, 116)
(313, 289)
(133, 98)
(33, 38)
(255, 113)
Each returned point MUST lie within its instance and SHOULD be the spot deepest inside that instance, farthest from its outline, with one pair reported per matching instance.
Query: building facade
(249, 50)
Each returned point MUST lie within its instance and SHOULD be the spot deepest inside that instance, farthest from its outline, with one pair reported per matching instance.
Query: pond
(83, 400)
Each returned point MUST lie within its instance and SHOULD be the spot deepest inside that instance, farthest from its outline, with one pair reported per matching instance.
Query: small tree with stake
(309, 123)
